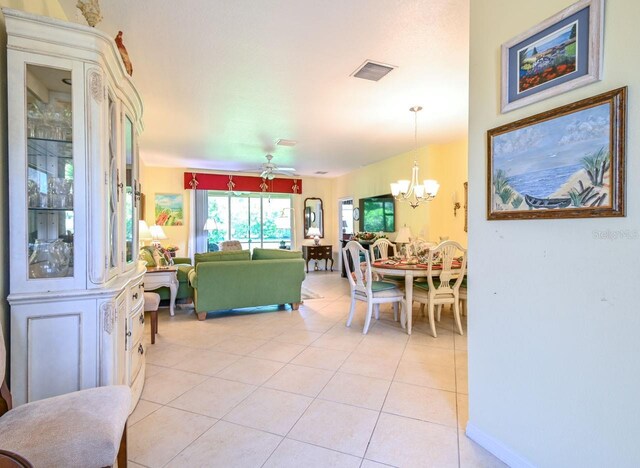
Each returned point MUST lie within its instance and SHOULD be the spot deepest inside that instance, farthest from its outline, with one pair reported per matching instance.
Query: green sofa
(236, 279)
(185, 291)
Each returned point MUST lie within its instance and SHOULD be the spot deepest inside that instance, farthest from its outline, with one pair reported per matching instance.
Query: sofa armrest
(193, 278)
(181, 260)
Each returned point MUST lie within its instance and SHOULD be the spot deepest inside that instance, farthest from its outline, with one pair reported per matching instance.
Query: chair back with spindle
(447, 254)
(358, 280)
(380, 249)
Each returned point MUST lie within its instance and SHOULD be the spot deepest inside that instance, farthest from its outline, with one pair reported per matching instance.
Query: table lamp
(157, 234)
(315, 233)
(403, 238)
(144, 235)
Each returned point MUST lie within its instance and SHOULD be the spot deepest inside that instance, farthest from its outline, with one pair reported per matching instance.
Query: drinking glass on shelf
(50, 259)
(34, 119)
(33, 193)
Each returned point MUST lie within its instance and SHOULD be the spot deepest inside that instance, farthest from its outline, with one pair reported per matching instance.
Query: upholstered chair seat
(79, 429)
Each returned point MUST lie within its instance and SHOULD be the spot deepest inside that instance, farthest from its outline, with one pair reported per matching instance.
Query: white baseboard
(497, 448)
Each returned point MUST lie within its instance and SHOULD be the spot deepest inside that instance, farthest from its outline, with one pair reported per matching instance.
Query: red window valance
(203, 181)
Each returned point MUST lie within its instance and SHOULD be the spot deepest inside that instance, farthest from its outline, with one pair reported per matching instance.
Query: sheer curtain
(200, 217)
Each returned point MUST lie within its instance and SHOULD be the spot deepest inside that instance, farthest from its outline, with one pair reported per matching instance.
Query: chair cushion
(151, 301)
(79, 429)
(399, 279)
(436, 282)
(377, 286)
(394, 292)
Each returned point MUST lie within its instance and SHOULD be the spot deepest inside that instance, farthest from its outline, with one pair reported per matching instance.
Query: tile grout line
(237, 404)
(385, 400)
(312, 402)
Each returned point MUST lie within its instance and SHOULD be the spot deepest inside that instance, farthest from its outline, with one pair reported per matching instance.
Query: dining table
(410, 272)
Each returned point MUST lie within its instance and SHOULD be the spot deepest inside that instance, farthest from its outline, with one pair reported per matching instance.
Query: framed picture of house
(568, 162)
(561, 53)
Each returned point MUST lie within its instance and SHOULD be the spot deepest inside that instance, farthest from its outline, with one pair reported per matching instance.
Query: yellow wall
(170, 180)
(166, 180)
(49, 8)
(447, 163)
(553, 316)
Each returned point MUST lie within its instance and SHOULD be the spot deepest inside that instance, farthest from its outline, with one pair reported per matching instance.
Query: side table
(161, 277)
(318, 252)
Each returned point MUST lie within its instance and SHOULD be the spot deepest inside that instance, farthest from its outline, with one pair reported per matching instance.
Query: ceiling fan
(269, 169)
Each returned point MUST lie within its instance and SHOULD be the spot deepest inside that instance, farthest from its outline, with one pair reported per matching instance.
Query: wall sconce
(456, 203)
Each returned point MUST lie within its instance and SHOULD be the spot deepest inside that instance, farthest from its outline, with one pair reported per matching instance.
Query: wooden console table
(318, 252)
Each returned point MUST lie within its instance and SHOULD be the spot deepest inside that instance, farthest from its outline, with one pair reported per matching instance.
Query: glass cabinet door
(112, 208)
(129, 195)
(50, 173)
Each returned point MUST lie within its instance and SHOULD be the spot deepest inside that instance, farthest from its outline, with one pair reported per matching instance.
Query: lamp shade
(143, 231)
(210, 225)
(431, 187)
(313, 231)
(157, 232)
(404, 235)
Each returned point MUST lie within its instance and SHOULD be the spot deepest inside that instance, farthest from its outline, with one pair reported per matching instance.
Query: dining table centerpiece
(365, 237)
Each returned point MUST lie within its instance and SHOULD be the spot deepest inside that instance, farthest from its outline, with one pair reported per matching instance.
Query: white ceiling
(223, 79)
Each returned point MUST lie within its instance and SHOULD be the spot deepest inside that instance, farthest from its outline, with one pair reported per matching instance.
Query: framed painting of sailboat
(568, 162)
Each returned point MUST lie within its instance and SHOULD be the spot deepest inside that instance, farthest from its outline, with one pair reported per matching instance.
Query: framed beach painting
(169, 209)
(568, 162)
(561, 53)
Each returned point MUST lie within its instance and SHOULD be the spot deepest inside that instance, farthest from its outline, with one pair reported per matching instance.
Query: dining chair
(363, 288)
(86, 428)
(462, 295)
(442, 288)
(380, 251)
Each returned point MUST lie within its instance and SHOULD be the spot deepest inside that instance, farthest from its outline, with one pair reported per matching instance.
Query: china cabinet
(76, 291)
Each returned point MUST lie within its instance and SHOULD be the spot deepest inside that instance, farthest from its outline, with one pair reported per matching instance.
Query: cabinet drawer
(136, 294)
(135, 324)
(136, 360)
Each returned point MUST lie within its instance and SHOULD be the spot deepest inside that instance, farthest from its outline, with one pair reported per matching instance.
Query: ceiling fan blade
(287, 169)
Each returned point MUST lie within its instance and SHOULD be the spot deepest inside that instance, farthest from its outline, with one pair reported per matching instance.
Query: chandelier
(412, 191)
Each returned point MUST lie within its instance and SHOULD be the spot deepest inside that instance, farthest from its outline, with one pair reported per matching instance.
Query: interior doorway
(345, 224)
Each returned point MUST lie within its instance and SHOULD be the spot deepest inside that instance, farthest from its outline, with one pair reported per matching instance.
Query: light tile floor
(281, 388)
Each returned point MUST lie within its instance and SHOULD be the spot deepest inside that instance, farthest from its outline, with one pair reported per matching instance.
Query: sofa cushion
(275, 254)
(227, 256)
(147, 256)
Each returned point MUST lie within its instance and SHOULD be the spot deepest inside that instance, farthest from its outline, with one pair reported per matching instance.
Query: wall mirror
(313, 217)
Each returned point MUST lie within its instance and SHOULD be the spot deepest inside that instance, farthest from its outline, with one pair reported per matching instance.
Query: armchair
(152, 256)
(85, 428)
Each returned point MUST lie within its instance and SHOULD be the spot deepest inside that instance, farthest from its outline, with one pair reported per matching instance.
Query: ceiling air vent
(321, 172)
(372, 71)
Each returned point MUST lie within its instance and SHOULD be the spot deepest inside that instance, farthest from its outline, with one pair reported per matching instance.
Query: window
(254, 219)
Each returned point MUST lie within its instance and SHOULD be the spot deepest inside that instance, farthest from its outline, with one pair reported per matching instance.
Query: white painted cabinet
(75, 279)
